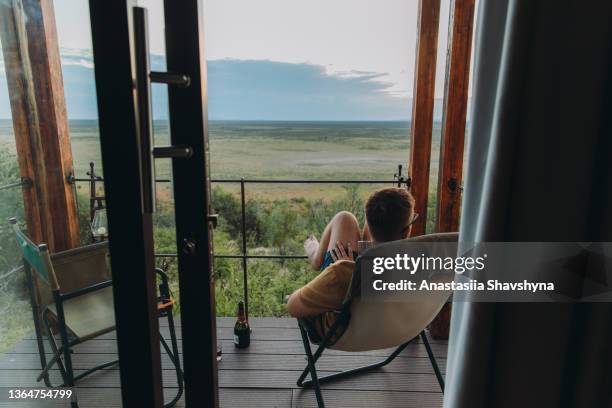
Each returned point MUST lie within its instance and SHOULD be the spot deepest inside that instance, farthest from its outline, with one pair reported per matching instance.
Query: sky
(344, 36)
(355, 55)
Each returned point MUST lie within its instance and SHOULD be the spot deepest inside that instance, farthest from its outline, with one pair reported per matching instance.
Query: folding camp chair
(71, 295)
(365, 326)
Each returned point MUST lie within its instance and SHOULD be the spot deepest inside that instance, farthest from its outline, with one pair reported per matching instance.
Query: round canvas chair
(368, 324)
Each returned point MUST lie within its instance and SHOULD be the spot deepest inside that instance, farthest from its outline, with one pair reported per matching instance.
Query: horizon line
(273, 120)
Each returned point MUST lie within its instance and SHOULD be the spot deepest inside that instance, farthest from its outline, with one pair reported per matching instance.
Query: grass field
(278, 150)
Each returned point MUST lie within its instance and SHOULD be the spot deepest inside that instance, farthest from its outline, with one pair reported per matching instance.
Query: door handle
(182, 81)
(172, 152)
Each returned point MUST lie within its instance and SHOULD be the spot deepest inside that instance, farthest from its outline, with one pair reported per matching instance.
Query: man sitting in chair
(389, 214)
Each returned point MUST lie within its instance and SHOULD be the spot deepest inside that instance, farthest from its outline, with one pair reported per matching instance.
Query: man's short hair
(389, 212)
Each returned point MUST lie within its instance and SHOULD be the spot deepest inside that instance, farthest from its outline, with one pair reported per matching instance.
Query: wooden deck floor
(263, 375)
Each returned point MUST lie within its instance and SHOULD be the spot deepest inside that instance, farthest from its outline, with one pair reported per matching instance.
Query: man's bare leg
(343, 228)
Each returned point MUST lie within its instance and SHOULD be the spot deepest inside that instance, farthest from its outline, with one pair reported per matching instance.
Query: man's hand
(338, 253)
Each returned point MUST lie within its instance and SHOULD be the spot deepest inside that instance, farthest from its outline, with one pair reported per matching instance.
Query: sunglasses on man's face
(414, 218)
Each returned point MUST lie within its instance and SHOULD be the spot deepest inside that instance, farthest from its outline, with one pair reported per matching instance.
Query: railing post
(92, 192)
(245, 279)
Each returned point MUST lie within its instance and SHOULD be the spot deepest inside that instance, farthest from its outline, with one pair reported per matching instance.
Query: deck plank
(386, 399)
(263, 375)
(227, 333)
(229, 397)
(376, 380)
(257, 347)
(289, 362)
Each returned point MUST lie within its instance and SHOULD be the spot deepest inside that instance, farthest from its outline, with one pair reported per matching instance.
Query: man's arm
(324, 293)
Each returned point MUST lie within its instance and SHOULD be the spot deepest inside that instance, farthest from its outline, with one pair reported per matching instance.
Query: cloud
(78, 57)
(272, 90)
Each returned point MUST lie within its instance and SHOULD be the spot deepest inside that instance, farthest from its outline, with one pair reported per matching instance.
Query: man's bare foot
(311, 246)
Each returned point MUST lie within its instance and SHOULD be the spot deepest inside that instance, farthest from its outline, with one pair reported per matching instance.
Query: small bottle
(242, 331)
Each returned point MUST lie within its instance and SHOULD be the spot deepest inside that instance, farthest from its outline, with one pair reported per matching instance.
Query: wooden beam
(34, 77)
(422, 108)
(454, 115)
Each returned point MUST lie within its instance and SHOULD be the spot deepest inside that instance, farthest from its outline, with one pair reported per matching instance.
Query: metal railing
(398, 180)
(18, 183)
(12, 185)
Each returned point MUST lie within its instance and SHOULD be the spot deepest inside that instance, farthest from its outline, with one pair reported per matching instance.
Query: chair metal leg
(175, 352)
(331, 332)
(315, 357)
(175, 359)
(77, 377)
(69, 380)
(316, 382)
(57, 352)
(37, 317)
(44, 374)
(433, 361)
(96, 368)
(311, 366)
(164, 291)
(359, 370)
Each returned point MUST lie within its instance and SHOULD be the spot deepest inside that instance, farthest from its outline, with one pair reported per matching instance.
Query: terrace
(265, 374)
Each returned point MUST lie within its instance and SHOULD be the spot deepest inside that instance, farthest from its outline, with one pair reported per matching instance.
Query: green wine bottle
(242, 331)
